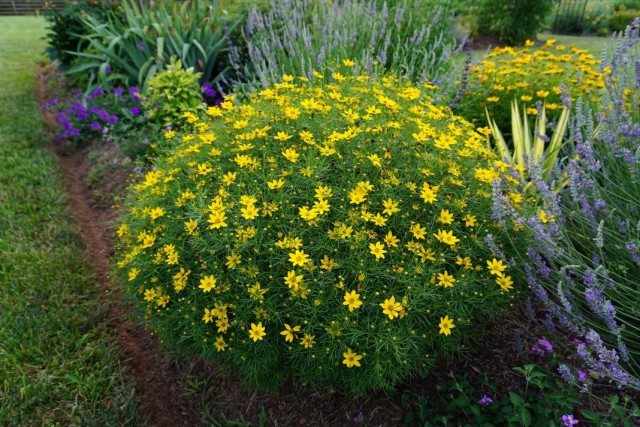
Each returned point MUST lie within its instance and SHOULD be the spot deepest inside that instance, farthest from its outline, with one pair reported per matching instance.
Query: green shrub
(528, 75)
(130, 49)
(515, 21)
(620, 19)
(172, 93)
(66, 32)
(334, 234)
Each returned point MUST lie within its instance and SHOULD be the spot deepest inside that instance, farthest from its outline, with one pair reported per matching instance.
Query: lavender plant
(583, 263)
(412, 38)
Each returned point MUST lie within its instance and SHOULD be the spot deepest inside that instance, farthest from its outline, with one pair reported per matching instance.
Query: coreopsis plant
(553, 75)
(330, 233)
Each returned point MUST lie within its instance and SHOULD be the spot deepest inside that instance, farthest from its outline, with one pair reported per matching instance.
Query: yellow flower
(289, 332)
(190, 226)
(220, 344)
(391, 240)
(327, 263)
(208, 315)
(156, 213)
(446, 280)
(391, 308)
(544, 217)
(429, 194)
(352, 300)
(377, 250)
(293, 280)
(446, 325)
(233, 260)
(446, 217)
(351, 359)
(418, 231)
(133, 273)
(250, 212)
(298, 258)
(257, 332)
(505, 282)
(348, 63)
(446, 237)
(207, 283)
(470, 220)
(525, 98)
(493, 99)
(496, 267)
(275, 184)
(307, 341)
(390, 207)
(291, 154)
(282, 136)
(542, 93)
(464, 262)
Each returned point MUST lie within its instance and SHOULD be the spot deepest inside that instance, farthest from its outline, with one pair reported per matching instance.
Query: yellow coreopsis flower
(505, 282)
(496, 267)
(445, 217)
(299, 258)
(377, 250)
(291, 154)
(257, 332)
(351, 359)
(446, 325)
(352, 300)
(207, 283)
(289, 332)
(391, 240)
(220, 344)
(391, 308)
(275, 184)
(446, 280)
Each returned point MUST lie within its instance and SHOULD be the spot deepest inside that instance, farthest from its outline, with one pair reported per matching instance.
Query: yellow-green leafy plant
(172, 93)
(329, 233)
(530, 75)
(531, 148)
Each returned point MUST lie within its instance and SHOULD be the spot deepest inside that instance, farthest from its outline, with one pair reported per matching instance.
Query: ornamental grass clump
(330, 233)
(554, 75)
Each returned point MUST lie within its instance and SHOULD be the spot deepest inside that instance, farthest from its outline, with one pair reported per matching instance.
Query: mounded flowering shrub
(552, 74)
(333, 234)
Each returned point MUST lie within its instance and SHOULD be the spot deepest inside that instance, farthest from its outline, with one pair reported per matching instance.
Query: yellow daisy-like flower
(391, 240)
(391, 308)
(352, 300)
(289, 332)
(275, 184)
(496, 267)
(220, 344)
(351, 359)
(257, 332)
(505, 282)
(282, 136)
(446, 325)
(291, 154)
(445, 217)
(250, 212)
(299, 258)
(207, 283)
(377, 250)
(307, 341)
(446, 280)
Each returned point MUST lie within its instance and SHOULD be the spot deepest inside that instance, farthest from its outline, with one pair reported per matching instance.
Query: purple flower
(96, 126)
(358, 418)
(118, 91)
(107, 69)
(485, 400)
(74, 132)
(134, 92)
(569, 420)
(135, 111)
(140, 45)
(103, 115)
(112, 119)
(208, 90)
(137, 169)
(96, 93)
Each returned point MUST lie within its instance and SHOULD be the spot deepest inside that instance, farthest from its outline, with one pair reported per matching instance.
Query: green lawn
(591, 43)
(59, 364)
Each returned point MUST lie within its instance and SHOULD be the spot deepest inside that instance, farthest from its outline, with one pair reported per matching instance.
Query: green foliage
(411, 38)
(529, 75)
(541, 402)
(621, 18)
(515, 21)
(171, 93)
(328, 233)
(59, 362)
(129, 50)
(66, 31)
(528, 147)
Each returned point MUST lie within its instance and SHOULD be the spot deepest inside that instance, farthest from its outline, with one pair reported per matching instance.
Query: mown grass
(59, 364)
